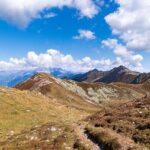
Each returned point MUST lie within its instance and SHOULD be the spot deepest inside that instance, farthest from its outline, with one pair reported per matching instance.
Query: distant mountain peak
(121, 68)
(94, 70)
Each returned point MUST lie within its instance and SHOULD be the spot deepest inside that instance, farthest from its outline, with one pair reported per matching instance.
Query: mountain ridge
(12, 78)
(117, 74)
(91, 92)
(45, 112)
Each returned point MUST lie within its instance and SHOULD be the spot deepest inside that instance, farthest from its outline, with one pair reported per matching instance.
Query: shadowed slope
(118, 74)
(90, 76)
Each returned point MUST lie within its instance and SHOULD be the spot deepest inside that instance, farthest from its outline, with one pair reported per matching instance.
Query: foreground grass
(20, 110)
(30, 120)
(51, 136)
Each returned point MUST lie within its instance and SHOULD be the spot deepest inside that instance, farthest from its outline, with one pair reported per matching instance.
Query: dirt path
(84, 140)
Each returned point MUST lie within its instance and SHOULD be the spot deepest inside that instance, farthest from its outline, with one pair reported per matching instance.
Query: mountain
(66, 90)
(142, 77)
(12, 78)
(45, 112)
(118, 74)
(55, 88)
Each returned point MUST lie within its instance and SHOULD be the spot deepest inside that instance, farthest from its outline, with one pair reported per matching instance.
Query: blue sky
(56, 29)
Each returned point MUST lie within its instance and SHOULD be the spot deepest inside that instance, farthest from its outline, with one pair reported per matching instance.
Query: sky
(74, 35)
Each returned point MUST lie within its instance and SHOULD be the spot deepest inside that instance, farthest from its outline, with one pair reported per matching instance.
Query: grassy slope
(53, 88)
(23, 109)
(28, 117)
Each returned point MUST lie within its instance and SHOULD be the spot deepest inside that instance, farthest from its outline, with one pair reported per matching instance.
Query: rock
(68, 148)
(12, 133)
(53, 129)
(47, 140)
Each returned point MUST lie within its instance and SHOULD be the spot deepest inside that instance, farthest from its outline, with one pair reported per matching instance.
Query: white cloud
(54, 59)
(22, 12)
(132, 23)
(85, 34)
(50, 15)
(124, 56)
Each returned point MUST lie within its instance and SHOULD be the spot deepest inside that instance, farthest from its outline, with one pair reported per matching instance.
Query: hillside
(118, 120)
(34, 121)
(30, 107)
(100, 92)
(45, 112)
(119, 74)
(66, 90)
(29, 120)
(146, 85)
(141, 78)
(55, 88)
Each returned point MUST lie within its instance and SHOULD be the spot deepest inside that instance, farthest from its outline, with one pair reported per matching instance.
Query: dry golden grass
(23, 109)
(47, 115)
(52, 88)
(26, 119)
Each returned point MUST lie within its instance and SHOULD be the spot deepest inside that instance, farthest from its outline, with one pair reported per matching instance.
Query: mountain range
(118, 74)
(49, 113)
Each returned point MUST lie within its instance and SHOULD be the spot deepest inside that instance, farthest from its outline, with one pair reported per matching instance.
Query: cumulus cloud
(22, 12)
(124, 56)
(85, 34)
(131, 22)
(54, 59)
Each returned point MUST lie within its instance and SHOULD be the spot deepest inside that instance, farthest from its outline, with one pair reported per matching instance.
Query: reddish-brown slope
(130, 119)
(49, 86)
